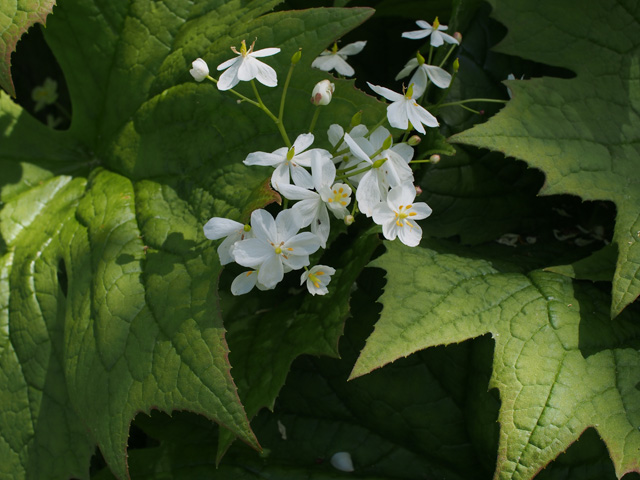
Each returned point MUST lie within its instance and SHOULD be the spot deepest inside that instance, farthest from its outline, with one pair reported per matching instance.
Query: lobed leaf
(108, 288)
(560, 365)
(581, 132)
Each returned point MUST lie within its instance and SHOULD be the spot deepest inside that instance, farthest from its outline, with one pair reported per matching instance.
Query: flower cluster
(362, 170)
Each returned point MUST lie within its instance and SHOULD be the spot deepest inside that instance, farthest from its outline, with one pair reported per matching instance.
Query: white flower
(437, 37)
(312, 207)
(246, 67)
(45, 94)
(439, 76)
(398, 215)
(317, 279)
(219, 227)
(405, 109)
(289, 163)
(276, 245)
(322, 92)
(200, 70)
(336, 59)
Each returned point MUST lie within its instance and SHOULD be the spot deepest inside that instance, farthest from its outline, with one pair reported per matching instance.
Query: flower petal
(219, 227)
(271, 272)
(421, 209)
(304, 243)
(307, 210)
(265, 52)
(407, 69)
(288, 223)
(322, 226)
(368, 193)
(265, 74)
(303, 142)
(439, 76)
(352, 48)
(355, 148)
(263, 158)
(300, 176)
(397, 115)
(229, 78)
(228, 63)
(386, 93)
(410, 235)
(244, 282)
(416, 34)
(412, 112)
(252, 253)
(263, 226)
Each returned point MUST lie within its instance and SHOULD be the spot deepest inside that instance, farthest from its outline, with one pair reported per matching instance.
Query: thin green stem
(357, 172)
(471, 100)
(277, 121)
(284, 92)
(237, 94)
(446, 57)
(316, 114)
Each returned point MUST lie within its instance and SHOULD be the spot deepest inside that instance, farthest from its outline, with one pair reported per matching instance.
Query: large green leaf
(584, 132)
(560, 365)
(15, 19)
(108, 288)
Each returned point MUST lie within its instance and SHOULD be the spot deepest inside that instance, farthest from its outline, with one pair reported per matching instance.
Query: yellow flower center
(314, 278)
(339, 196)
(402, 214)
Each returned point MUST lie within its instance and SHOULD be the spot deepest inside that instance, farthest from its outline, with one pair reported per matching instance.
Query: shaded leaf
(557, 125)
(559, 363)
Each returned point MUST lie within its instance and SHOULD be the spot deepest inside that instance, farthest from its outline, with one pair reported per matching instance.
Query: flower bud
(295, 58)
(456, 65)
(414, 140)
(348, 220)
(435, 158)
(200, 70)
(356, 119)
(418, 190)
(322, 93)
(387, 142)
(379, 163)
(458, 36)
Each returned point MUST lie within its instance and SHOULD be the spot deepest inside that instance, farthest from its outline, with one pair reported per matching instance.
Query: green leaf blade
(557, 360)
(557, 125)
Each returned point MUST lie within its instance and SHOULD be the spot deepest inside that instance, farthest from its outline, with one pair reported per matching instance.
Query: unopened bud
(387, 142)
(414, 140)
(435, 158)
(458, 36)
(322, 92)
(418, 190)
(356, 119)
(247, 228)
(348, 220)
(295, 58)
(379, 163)
(200, 70)
(456, 65)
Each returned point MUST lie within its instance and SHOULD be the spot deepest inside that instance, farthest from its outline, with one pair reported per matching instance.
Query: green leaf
(599, 266)
(581, 132)
(15, 19)
(108, 288)
(560, 364)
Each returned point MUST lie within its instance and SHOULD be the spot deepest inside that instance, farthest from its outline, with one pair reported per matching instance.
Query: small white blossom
(436, 32)
(336, 59)
(317, 279)
(439, 76)
(200, 70)
(312, 207)
(45, 94)
(405, 109)
(276, 246)
(246, 66)
(322, 93)
(218, 228)
(399, 213)
(289, 163)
